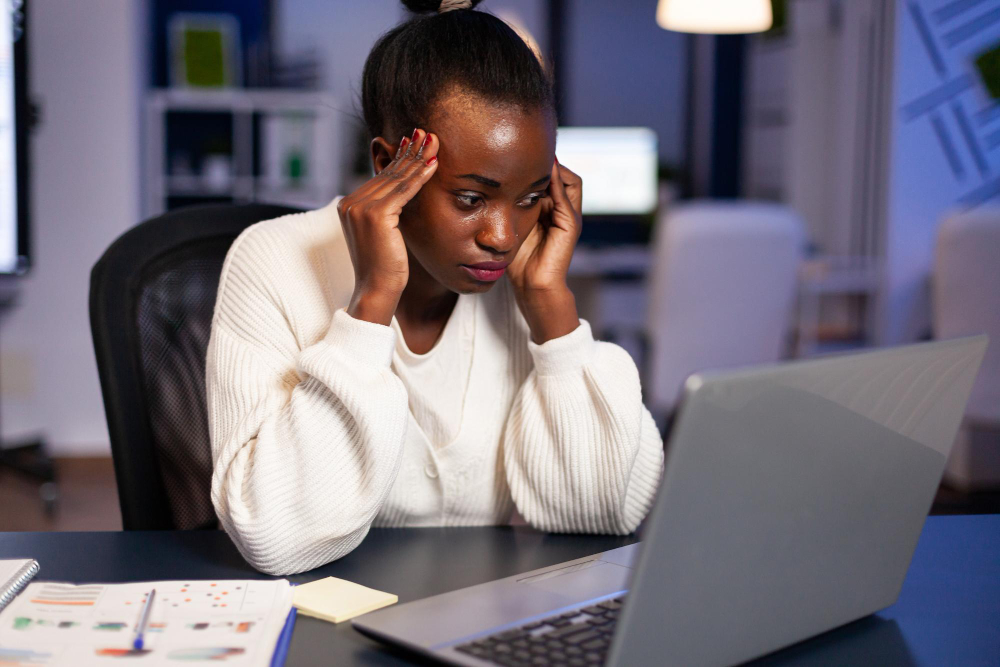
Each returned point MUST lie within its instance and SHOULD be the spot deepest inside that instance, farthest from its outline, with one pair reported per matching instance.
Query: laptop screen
(617, 164)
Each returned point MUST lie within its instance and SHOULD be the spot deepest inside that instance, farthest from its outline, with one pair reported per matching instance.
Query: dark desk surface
(947, 613)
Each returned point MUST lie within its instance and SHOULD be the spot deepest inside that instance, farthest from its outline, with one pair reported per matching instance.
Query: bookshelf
(239, 146)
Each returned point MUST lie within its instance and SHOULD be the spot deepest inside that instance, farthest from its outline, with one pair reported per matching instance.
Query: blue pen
(143, 620)
(284, 640)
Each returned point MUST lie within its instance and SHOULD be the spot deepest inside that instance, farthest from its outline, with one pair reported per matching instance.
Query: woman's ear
(382, 154)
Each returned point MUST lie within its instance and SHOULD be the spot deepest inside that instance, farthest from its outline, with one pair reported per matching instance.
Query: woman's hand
(538, 272)
(370, 219)
(543, 259)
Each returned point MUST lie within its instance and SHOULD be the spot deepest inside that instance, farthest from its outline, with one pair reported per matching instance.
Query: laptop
(791, 503)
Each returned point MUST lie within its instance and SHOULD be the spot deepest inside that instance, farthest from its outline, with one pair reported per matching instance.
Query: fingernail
(427, 139)
(432, 160)
(415, 130)
(402, 144)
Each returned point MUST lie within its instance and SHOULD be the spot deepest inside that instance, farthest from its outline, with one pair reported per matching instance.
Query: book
(15, 575)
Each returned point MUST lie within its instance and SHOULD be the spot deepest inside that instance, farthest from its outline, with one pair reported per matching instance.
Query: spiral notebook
(15, 575)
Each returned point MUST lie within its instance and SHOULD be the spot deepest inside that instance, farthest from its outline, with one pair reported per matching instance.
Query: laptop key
(576, 638)
(581, 637)
(565, 631)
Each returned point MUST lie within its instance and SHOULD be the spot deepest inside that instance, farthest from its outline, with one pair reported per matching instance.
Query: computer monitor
(13, 139)
(618, 166)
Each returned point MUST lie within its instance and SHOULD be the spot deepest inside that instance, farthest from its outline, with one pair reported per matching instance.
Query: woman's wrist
(373, 306)
(550, 311)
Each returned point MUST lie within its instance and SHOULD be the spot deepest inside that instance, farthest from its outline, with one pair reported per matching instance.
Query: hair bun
(428, 6)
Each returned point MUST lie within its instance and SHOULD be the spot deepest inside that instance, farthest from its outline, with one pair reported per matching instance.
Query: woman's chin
(477, 288)
(472, 286)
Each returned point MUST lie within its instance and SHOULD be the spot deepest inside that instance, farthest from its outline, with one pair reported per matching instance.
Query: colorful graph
(68, 595)
(24, 623)
(114, 627)
(121, 652)
(10, 657)
(196, 654)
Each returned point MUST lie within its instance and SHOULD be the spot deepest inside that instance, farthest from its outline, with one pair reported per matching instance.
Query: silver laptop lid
(792, 501)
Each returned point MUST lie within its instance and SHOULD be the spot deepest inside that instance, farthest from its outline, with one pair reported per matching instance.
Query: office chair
(966, 301)
(721, 292)
(152, 296)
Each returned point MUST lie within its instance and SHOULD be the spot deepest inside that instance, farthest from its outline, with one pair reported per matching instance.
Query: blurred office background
(832, 183)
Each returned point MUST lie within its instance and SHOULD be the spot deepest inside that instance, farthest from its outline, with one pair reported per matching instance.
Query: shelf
(262, 122)
(311, 195)
(247, 100)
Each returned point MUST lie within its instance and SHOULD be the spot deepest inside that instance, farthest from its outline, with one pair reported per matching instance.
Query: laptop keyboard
(576, 638)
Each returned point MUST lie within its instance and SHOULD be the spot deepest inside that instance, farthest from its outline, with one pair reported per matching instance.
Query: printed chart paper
(192, 622)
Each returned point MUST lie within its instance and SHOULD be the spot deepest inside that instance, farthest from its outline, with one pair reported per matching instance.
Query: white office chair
(966, 294)
(721, 291)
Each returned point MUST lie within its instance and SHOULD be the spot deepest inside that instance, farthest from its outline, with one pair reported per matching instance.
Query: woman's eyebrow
(496, 184)
(482, 179)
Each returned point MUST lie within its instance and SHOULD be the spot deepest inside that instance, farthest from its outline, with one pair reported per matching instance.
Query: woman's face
(479, 206)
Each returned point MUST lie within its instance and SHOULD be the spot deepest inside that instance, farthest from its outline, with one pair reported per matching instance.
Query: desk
(946, 613)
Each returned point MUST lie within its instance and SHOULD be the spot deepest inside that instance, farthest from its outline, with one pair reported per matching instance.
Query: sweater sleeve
(582, 453)
(305, 443)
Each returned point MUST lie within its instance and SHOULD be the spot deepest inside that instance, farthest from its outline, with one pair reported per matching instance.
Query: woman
(410, 355)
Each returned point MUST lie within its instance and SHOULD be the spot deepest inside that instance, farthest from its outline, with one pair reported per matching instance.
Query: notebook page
(57, 625)
(9, 568)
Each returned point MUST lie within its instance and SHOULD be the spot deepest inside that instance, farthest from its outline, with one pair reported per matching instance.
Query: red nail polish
(432, 160)
(415, 131)
(402, 144)
(427, 139)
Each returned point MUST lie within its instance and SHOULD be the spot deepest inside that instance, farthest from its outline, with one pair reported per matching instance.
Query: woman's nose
(498, 233)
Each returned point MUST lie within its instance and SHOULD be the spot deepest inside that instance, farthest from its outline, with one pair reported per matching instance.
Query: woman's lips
(486, 271)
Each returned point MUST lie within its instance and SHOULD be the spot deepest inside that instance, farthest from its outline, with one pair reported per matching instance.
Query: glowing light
(714, 16)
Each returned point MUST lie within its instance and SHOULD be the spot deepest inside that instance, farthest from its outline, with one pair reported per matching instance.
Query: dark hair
(415, 62)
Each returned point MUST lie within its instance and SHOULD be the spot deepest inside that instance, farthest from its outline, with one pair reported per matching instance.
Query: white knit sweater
(313, 439)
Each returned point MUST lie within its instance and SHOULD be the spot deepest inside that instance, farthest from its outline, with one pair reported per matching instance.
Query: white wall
(924, 181)
(86, 70)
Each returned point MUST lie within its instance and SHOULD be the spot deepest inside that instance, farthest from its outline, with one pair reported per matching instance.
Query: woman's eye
(469, 200)
(531, 200)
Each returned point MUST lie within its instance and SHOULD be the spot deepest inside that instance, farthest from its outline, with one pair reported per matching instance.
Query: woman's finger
(556, 188)
(402, 146)
(405, 189)
(399, 162)
(411, 176)
(410, 164)
(572, 186)
(422, 153)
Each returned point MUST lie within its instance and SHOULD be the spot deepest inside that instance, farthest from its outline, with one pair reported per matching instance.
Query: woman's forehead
(504, 139)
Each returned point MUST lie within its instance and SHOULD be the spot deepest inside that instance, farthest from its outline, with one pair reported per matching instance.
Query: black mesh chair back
(152, 296)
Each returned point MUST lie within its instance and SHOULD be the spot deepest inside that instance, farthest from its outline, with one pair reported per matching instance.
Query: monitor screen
(617, 164)
(13, 187)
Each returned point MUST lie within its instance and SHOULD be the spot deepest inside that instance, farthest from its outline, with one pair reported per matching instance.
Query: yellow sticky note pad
(337, 600)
